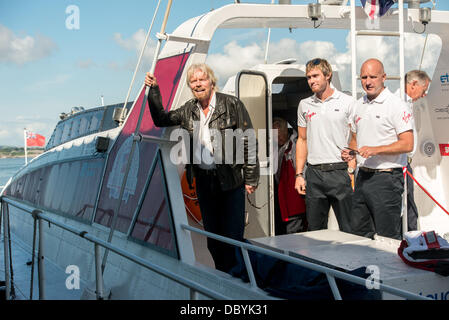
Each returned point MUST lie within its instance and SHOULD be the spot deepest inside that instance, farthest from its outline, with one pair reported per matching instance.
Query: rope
(141, 55)
(413, 178)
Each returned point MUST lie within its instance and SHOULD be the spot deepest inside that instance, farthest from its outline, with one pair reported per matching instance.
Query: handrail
(138, 260)
(330, 273)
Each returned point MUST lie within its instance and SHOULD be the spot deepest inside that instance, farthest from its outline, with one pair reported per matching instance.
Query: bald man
(383, 128)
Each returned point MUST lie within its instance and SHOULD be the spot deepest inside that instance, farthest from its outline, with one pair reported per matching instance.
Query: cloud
(86, 64)
(49, 83)
(236, 57)
(11, 132)
(19, 51)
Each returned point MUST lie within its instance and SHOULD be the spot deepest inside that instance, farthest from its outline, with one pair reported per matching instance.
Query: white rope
(141, 54)
(423, 51)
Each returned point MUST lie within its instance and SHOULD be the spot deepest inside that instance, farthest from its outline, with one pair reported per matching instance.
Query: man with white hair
(416, 85)
(220, 186)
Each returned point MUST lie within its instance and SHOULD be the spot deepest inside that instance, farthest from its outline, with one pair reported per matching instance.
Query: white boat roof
(295, 16)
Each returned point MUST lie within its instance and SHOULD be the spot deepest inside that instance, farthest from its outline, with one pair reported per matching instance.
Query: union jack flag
(376, 8)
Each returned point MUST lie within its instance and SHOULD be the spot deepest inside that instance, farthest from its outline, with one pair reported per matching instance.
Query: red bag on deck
(291, 203)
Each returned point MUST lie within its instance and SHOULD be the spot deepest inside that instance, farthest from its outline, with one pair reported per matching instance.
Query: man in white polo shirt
(383, 126)
(323, 130)
(416, 84)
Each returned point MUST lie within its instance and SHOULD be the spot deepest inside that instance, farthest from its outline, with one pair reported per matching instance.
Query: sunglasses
(314, 62)
(352, 152)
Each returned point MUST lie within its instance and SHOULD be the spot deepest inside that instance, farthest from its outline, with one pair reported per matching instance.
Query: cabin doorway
(252, 90)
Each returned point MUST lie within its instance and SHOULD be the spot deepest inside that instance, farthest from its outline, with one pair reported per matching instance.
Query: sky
(49, 63)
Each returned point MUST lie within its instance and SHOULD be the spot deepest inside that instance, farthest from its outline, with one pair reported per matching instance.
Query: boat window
(154, 224)
(58, 135)
(84, 124)
(108, 121)
(75, 128)
(95, 121)
(66, 131)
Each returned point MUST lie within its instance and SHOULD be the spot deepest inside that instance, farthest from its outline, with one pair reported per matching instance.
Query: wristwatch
(299, 175)
(351, 170)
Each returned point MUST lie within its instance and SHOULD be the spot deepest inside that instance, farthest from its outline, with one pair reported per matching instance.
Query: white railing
(330, 273)
(194, 287)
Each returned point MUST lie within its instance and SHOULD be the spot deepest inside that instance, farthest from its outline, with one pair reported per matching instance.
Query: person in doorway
(416, 85)
(323, 130)
(382, 124)
(220, 186)
(290, 206)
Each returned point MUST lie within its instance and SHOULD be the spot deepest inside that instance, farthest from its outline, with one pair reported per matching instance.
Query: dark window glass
(153, 224)
(66, 131)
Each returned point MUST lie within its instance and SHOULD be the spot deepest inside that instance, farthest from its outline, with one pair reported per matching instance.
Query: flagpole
(25, 140)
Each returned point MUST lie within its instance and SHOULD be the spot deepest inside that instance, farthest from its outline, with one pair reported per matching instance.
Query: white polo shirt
(409, 103)
(378, 123)
(327, 124)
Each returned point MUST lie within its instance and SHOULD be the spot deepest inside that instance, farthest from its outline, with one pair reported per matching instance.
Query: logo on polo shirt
(309, 115)
(407, 117)
(357, 120)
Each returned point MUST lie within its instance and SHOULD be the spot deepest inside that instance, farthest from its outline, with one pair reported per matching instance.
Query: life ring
(191, 200)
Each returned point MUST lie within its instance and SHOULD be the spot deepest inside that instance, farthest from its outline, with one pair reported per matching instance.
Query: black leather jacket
(229, 113)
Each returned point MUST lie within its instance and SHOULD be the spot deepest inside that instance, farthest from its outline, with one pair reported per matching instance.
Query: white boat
(105, 206)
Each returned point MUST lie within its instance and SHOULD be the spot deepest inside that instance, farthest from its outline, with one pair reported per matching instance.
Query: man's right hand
(150, 80)
(300, 185)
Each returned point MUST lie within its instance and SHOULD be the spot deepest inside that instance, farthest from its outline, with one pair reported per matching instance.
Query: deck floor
(55, 287)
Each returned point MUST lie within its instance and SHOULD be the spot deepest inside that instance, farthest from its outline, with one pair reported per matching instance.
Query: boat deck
(55, 282)
(347, 251)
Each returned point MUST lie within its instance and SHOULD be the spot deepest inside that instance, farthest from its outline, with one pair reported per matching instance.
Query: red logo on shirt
(407, 117)
(310, 115)
(444, 149)
(357, 120)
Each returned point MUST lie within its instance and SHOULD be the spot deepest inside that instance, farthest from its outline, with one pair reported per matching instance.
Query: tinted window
(84, 124)
(95, 121)
(66, 131)
(153, 224)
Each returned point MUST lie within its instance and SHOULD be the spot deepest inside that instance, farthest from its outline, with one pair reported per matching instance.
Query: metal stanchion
(40, 266)
(98, 273)
(6, 251)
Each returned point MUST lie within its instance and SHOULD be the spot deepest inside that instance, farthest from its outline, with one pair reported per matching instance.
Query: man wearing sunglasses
(323, 129)
(384, 128)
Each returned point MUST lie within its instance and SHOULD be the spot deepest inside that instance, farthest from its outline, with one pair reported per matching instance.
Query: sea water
(8, 167)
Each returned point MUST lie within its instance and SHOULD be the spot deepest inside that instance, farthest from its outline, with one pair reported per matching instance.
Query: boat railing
(194, 287)
(40, 217)
(330, 273)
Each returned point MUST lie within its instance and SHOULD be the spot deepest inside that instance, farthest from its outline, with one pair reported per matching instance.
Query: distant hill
(17, 152)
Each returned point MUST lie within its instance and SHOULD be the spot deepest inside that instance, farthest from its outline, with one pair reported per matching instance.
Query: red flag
(35, 140)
